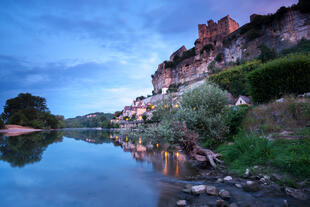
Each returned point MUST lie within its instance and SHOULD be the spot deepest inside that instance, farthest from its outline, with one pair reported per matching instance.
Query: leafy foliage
(1, 124)
(202, 109)
(234, 80)
(266, 53)
(97, 120)
(28, 110)
(287, 75)
(219, 57)
(234, 117)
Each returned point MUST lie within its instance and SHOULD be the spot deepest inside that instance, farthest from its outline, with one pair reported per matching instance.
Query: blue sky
(86, 56)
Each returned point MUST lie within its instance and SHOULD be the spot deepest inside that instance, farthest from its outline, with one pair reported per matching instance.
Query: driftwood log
(188, 142)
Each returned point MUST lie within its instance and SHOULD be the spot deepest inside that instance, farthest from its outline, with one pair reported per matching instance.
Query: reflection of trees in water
(88, 135)
(26, 149)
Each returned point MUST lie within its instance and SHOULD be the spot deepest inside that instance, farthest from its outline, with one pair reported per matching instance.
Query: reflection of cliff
(26, 149)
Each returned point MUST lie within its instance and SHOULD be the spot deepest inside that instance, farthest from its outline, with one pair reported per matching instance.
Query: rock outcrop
(220, 44)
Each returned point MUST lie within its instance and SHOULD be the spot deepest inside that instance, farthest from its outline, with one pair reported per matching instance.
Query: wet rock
(233, 205)
(238, 185)
(219, 180)
(220, 203)
(198, 189)
(251, 186)
(247, 172)
(211, 190)
(181, 203)
(224, 194)
(298, 194)
(228, 178)
(188, 188)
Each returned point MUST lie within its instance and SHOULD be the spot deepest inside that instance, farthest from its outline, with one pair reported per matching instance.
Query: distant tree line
(97, 120)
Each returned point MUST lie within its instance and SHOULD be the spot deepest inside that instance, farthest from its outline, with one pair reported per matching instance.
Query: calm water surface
(86, 168)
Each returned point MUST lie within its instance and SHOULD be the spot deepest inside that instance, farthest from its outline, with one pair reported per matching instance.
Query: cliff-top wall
(220, 44)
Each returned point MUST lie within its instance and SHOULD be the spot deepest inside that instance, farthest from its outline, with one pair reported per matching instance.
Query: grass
(289, 157)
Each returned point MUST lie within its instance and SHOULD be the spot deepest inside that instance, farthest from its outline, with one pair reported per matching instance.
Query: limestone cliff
(220, 44)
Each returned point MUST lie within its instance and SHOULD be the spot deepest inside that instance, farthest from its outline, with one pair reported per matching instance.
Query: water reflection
(26, 149)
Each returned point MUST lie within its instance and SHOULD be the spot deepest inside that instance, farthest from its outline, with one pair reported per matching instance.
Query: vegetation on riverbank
(31, 111)
(93, 120)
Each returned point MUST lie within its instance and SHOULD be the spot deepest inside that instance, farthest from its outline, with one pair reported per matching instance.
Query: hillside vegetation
(92, 121)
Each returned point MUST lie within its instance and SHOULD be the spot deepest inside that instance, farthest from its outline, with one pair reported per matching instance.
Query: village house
(243, 100)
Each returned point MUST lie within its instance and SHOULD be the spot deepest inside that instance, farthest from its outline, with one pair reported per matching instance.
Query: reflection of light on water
(177, 154)
(177, 168)
(116, 138)
(165, 171)
(140, 141)
(126, 139)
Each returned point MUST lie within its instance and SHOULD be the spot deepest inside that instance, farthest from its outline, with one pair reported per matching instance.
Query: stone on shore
(224, 194)
(251, 186)
(211, 190)
(198, 189)
(228, 178)
(181, 203)
(220, 203)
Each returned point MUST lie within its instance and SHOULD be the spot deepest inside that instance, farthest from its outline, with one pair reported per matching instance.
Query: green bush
(202, 109)
(234, 118)
(287, 75)
(234, 80)
(266, 53)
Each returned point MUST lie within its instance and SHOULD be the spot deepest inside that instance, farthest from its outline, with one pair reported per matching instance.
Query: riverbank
(17, 130)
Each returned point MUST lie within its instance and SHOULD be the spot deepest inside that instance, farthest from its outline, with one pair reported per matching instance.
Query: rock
(280, 100)
(238, 185)
(251, 186)
(247, 172)
(228, 178)
(219, 202)
(276, 176)
(188, 188)
(285, 133)
(181, 203)
(219, 180)
(298, 194)
(198, 189)
(211, 190)
(224, 194)
(233, 205)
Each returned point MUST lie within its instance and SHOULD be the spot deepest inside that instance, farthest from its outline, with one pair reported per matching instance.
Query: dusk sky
(88, 56)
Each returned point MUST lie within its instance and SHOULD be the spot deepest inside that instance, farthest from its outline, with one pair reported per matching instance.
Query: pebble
(198, 189)
(211, 190)
(181, 203)
(224, 194)
(228, 178)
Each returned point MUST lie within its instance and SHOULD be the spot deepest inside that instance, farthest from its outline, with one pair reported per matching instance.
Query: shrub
(288, 75)
(234, 118)
(202, 109)
(266, 53)
(234, 80)
(173, 88)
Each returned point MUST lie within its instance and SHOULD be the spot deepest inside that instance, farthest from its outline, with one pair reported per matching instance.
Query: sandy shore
(16, 130)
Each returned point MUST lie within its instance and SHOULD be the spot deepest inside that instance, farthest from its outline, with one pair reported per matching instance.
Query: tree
(1, 124)
(24, 101)
(266, 53)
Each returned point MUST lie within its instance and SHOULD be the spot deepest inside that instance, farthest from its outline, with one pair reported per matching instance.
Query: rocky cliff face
(217, 46)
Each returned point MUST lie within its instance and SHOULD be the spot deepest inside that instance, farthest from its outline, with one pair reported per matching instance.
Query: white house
(243, 100)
